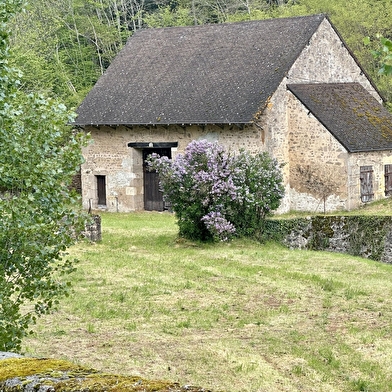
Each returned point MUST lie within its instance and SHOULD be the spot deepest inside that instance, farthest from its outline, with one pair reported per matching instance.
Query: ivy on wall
(365, 236)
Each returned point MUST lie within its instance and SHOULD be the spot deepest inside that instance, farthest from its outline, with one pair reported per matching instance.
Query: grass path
(235, 317)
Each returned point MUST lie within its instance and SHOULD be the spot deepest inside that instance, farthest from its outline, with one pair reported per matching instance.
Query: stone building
(287, 86)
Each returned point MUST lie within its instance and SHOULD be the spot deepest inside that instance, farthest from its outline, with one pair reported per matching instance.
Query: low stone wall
(93, 230)
(365, 236)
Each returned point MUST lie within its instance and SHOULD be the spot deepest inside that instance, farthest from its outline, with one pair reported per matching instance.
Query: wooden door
(388, 180)
(153, 197)
(366, 182)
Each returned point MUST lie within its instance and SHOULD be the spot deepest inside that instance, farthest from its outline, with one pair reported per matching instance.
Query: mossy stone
(27, 374)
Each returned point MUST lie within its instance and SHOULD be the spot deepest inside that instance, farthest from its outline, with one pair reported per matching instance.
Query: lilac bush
(258, 179)
(216, 194)
(219, 227)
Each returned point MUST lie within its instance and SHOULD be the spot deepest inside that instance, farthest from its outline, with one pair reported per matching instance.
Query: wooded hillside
(63, 46)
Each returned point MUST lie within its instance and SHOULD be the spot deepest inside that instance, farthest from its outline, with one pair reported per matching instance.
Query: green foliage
(383, 54)
(167, 17)
(259, 182)
(7, 11)
(39, 214)
(63, 46)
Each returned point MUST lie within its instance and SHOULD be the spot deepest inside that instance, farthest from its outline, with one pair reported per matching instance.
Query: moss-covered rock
(51, 375)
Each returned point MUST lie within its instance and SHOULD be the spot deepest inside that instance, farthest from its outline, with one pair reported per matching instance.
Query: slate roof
(353, 116)
(221, 73)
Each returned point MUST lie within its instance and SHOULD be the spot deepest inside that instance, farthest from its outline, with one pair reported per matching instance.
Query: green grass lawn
(239, 316)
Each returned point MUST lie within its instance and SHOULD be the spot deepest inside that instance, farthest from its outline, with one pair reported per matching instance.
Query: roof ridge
(221, 73)
(253, 21)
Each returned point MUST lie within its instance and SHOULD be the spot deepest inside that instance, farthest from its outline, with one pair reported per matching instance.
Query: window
(101, 190)
(388, 180)
(366, 180)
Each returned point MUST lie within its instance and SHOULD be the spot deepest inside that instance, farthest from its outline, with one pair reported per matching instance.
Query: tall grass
(236, 316)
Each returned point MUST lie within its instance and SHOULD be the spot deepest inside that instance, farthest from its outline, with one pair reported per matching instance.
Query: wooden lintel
(143, 145)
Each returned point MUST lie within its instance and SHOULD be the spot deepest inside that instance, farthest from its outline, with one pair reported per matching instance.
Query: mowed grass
(239, 316)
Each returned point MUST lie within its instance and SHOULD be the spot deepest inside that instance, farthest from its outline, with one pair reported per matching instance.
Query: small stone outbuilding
(287, 86)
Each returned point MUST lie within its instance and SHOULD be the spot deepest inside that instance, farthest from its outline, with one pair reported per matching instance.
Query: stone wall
(321, 164)
(294, 137)
(109, 155)
(377, 160)
(76, 183)
(326, 60)
(93, 231)
(365, 236)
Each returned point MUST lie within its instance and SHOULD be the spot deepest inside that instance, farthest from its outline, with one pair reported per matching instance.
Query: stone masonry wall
(314, 151)
(328, 159)
(324, 60)
(377, 160)
(365, 236)
(308, 143)
(93, 230)
(108, 154)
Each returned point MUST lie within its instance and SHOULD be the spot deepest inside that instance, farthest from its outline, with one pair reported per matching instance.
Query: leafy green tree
(63, 46)
(39, 213)
(383, 54)
(198, 12)
(168, 17)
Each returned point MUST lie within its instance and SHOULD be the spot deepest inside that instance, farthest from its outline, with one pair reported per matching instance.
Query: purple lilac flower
(218, 225)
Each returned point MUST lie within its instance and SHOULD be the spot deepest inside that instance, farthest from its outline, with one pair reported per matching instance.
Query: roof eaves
(355, 150)
(182, 123)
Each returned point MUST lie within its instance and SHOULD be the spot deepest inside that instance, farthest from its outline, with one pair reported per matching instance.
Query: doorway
(101, 190)
(153, 197)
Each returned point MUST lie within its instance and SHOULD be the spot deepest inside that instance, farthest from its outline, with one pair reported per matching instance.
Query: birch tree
(39, 214)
